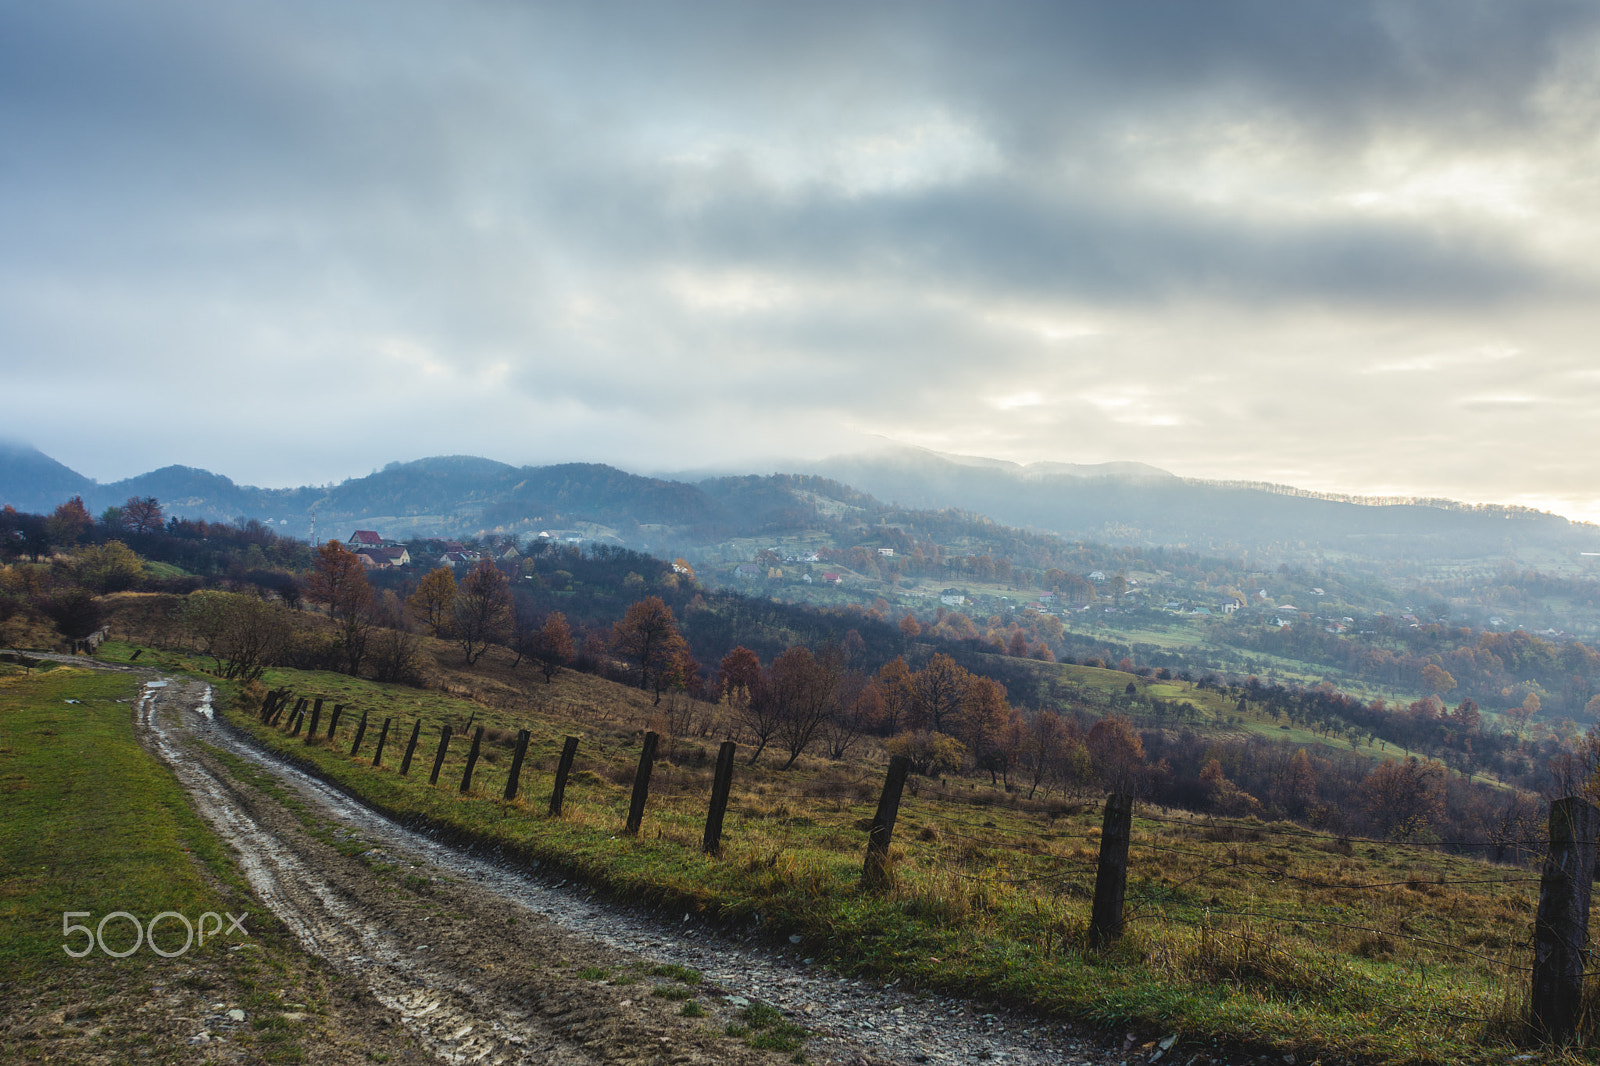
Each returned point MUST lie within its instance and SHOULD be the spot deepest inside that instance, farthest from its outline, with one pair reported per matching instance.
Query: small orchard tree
(108, 567)
(481, 615)
(434, 601)
(647, 636)
(69, 522)
(552, 645)
(141, 515)
(339, 582)
(242, 634)
(803, 686)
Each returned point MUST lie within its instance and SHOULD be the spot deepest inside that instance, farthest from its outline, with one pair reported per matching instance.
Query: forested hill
(457, 495)
(1113, 503)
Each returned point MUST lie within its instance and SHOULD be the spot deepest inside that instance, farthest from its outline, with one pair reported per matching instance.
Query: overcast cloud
(1340, 245)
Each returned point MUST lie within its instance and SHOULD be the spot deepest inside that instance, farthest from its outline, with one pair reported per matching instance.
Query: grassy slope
(91, 822)
(992, 893)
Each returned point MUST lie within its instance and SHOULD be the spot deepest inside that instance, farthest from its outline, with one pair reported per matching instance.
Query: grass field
(1259, 935)
(91, 824)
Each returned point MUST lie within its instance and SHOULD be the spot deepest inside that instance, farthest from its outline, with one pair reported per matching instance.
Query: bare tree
(803, 685)
(242, 634)
(141, 514)
(482, 610)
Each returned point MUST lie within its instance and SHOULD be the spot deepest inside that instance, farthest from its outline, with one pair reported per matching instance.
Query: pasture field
(1247, 934)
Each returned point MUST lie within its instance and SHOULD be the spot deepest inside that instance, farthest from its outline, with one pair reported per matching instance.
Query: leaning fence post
(641, 784)
(405, 763)
(377, 758)
(559, 792)
(875, 873)
(333, 719)
(361, 731)
(1561, 924)
(438, 760)
(316, 715)
(516, 766)
(472, 760)
(720, 787)
(1111, 878)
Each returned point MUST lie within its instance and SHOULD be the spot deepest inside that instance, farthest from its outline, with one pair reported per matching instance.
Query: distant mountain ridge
(1136, 503)
(1116, 503)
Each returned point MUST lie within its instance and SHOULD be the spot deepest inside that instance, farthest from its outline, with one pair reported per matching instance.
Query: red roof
(366, 536)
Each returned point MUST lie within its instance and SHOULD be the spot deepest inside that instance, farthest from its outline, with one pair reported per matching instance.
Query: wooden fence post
(316, 716)
(405, 763)
(721, 785)
(641, 784)
(361, 731)
(559, 792)
(516, 766)
(383, 735)
(875, 873)
(278, 708)
(1111, 877)
(1561, 924)
(333, 719)
(438, 760)
(472, 760)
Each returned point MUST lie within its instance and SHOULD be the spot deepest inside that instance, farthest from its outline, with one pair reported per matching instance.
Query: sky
(1340, 245)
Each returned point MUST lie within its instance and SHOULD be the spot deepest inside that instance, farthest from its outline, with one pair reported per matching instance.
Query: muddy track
(484, 963)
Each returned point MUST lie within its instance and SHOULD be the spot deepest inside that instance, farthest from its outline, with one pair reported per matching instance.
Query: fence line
(1117, 843)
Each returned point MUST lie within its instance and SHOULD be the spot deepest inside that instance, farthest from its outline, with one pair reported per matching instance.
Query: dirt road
(467, 961)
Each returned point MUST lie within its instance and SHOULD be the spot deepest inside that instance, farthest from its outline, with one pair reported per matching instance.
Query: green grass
(684, 974)
(992, 893)
(91, 823)
(769, 1030)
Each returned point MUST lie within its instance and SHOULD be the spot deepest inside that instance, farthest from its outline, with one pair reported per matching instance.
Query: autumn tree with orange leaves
(647, 637)
(339, 582)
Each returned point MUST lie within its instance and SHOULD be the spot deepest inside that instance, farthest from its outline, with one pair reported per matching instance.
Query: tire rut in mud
(470, 975)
